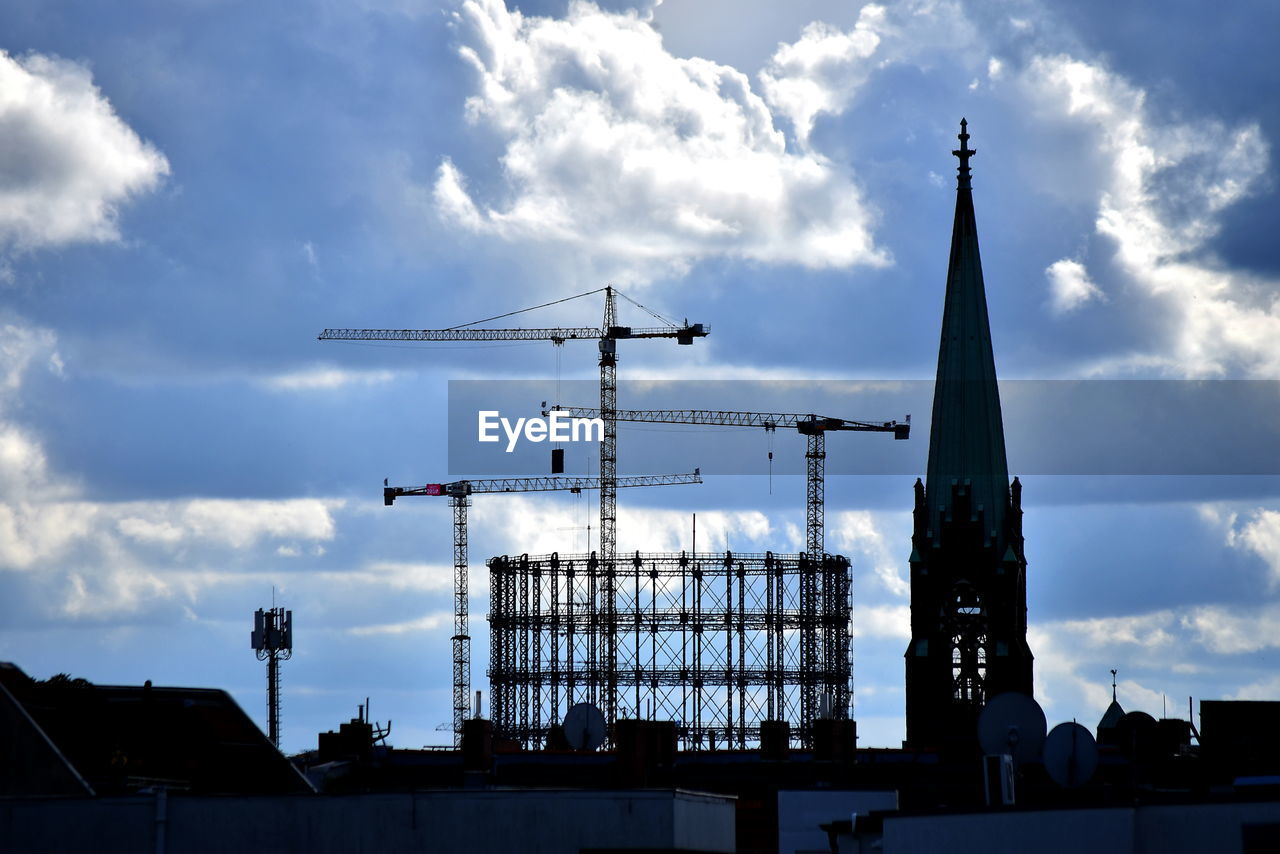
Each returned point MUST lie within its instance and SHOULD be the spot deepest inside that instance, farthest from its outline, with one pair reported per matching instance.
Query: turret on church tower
(968, 573)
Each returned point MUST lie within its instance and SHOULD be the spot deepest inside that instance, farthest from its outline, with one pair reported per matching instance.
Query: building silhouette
(968, 572)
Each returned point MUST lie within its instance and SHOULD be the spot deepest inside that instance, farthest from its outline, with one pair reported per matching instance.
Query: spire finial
(1113, 686)
(964, 153)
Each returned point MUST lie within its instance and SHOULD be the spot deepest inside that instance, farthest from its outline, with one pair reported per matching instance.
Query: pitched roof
(1111, 717)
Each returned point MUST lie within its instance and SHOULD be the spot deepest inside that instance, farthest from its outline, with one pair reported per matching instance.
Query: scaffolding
(718, 642)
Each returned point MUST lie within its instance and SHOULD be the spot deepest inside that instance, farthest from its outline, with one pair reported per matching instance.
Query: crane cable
(647, 310)
(522, 310)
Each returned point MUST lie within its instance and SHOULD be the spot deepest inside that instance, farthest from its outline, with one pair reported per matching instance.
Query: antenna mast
(272, 639)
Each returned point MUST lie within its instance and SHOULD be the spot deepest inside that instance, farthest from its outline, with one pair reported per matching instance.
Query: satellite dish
(1012, 723)
(1137, 735)
(1070, 755)
(584, 727)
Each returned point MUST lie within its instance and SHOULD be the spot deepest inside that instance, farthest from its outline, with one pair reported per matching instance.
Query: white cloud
(822, 71)
(420, 577)
(1069, 286)
(1163, 187)
(1228, 630)
(105, 560)
(115, 592)
(1264, 689)
(326, 378)
(1151, 632)
(430, 622)
(35, 532)
(620, 150)
(24, 472)
(1071, 670)
(882, 621)
(22, 461)
(856, 533)
(516, 524)
(1259, 534)
(237, 523)
(68, 161)
(21, 346)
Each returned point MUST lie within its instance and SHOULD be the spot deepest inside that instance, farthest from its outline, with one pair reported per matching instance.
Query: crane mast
(602, 635)
(460, 492)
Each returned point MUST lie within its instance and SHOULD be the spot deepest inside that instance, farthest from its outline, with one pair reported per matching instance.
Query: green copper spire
(966, 441)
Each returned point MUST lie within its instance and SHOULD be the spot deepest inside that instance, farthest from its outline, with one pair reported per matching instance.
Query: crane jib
(682, 334)
(464, 488)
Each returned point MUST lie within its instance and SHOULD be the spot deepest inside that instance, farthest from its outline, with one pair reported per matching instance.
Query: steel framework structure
(718, 642)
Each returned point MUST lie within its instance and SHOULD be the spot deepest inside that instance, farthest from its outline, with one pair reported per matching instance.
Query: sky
(191, 191)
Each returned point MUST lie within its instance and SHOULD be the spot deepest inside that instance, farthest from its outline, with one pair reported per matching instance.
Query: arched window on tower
(968, 620)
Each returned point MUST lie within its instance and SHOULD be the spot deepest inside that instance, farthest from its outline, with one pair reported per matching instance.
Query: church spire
(966, 439)
(968, 573)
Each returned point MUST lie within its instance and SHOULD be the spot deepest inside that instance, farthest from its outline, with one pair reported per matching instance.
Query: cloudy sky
(190, 191)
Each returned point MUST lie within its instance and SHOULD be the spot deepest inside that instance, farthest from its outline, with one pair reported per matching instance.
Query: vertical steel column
(636, 563)
(570, 628)
(815, 488)
(808, 645)
(554, 703)
(685, 680)
(607, 638)
(653, 638)
(830, 620)
(728, 648)
(812, 587)
(538, 629)
(273, 697)
(522, 663)
(461, 637)
(742, 657)
(698, 673)
(498, 633)
(593, 631)
(845, 648)
(770, 616)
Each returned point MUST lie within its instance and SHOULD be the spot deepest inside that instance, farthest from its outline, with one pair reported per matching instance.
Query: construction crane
(813, 427)
(608, 336)
(460, 492)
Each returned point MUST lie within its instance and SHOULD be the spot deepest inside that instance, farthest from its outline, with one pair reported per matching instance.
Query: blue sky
(191, 191)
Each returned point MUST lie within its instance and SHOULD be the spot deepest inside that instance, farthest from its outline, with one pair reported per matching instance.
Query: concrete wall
(801, 814)
(1203, 829)
(1101, 831)
(539, 822)
(1182, 829)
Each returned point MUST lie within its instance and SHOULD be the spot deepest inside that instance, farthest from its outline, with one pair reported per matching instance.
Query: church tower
(968, 573)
